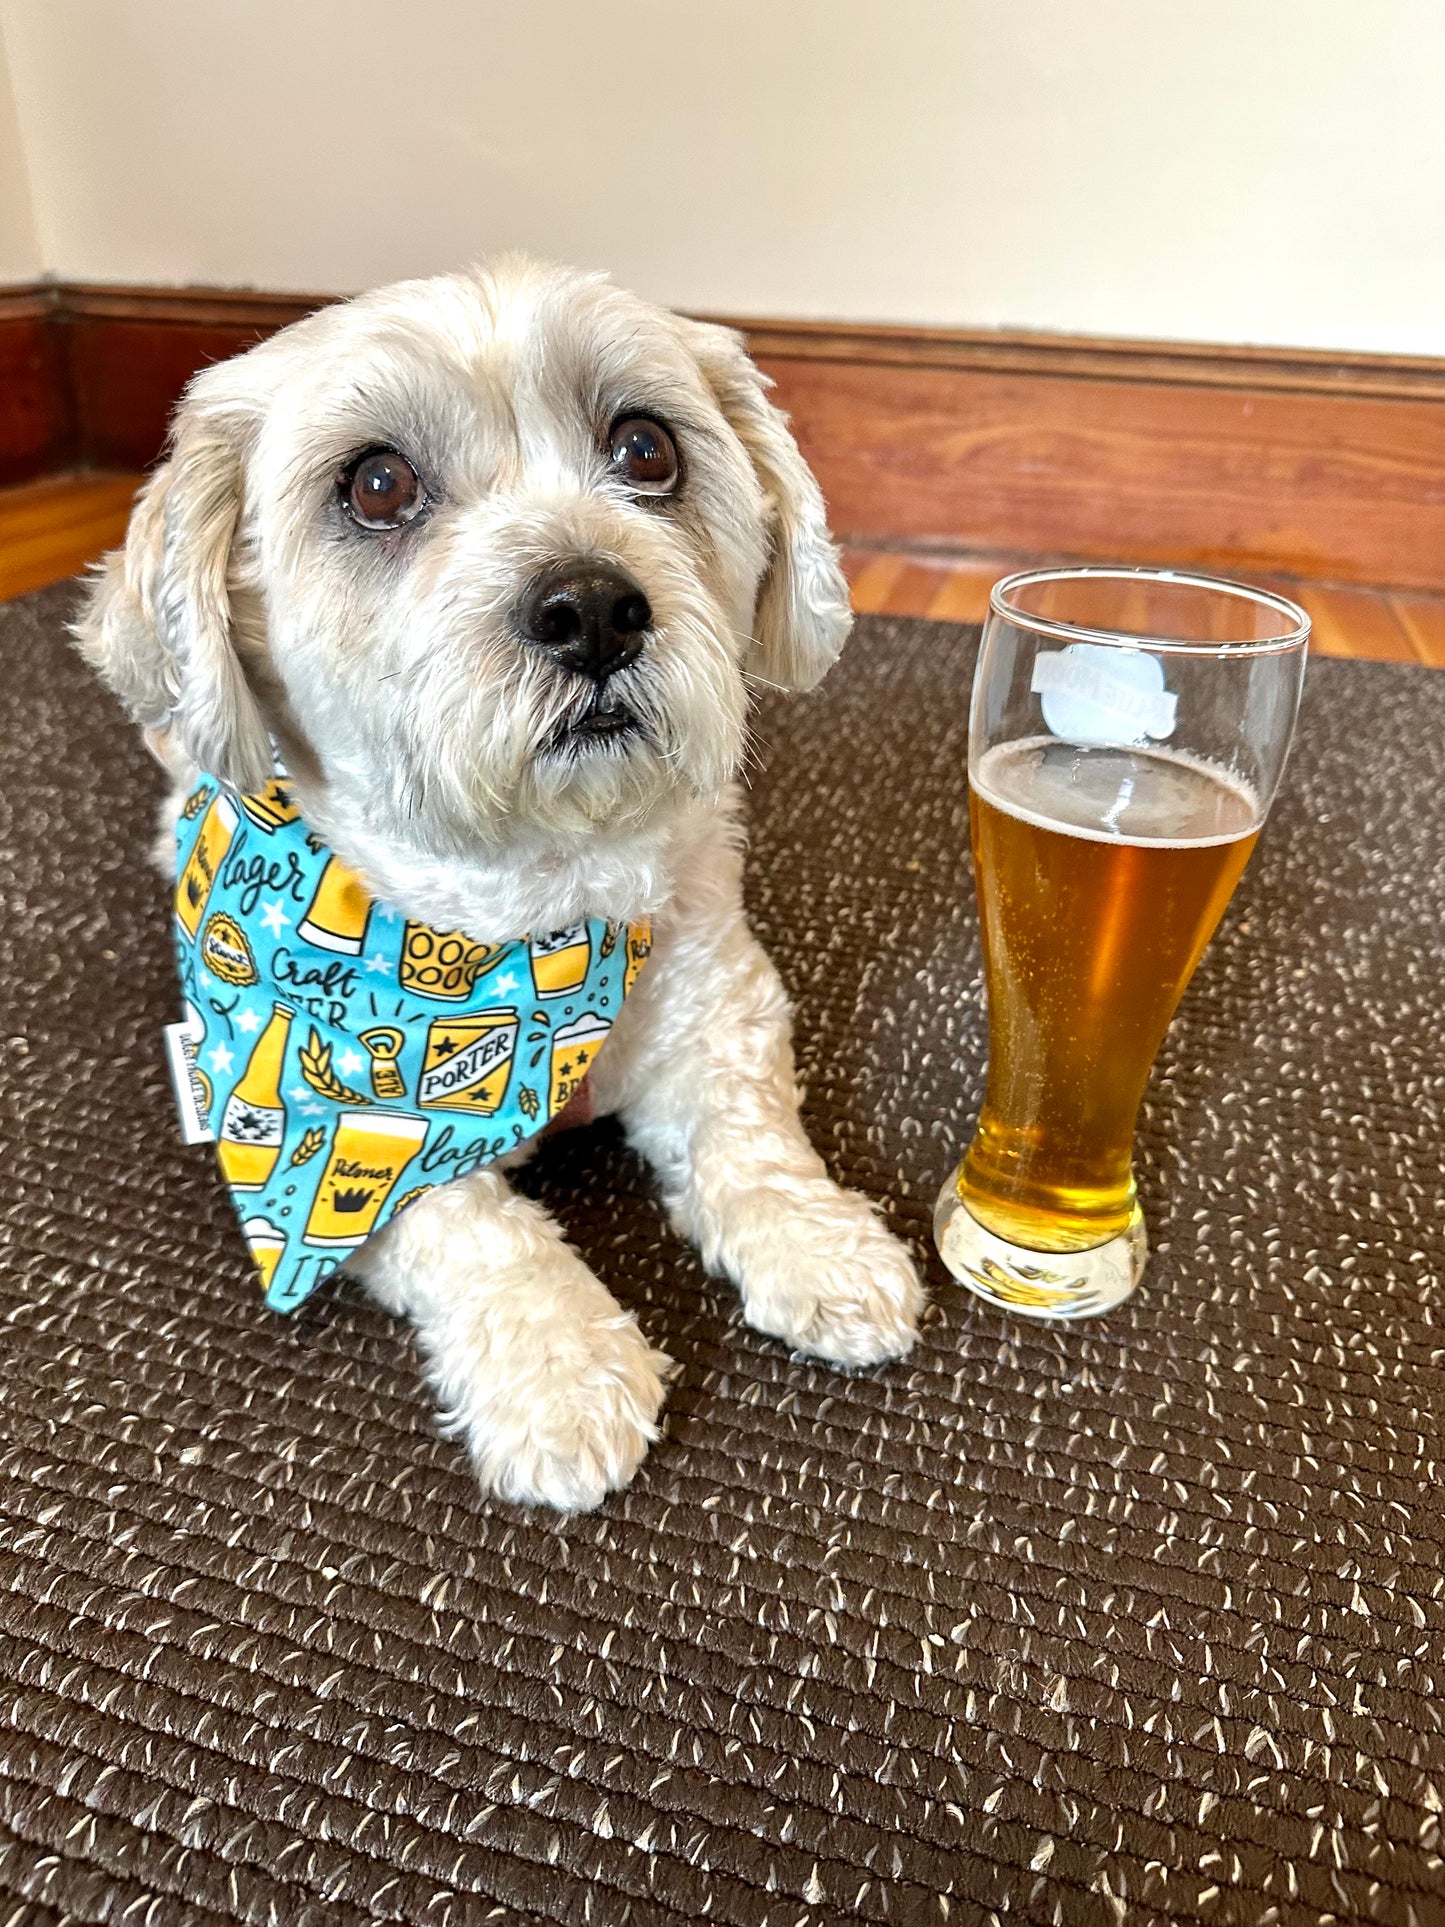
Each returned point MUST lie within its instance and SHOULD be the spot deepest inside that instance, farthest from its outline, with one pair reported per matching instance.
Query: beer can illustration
(573, 1048)
(267, 1242)
(639, 949)
(443, 963)
(336, 915)
(208, 853)
(272, 807)
(468, 1062)
(559, 962)
(369, 1152)
(253, 1124)
(384, 1043)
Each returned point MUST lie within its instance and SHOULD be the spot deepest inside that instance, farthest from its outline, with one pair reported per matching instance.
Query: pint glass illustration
(267, 1242)
(369, 1152)
(573, 1049)
(443, 963)
(208, 853)
(253, 1123)
(559, 962)
(468, 1062)
(336, 916)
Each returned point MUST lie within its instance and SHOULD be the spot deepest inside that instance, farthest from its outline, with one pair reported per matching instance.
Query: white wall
(19, 244)
(1233, 170)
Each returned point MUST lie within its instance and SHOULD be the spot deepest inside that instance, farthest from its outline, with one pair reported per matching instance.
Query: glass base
(1038, 1284)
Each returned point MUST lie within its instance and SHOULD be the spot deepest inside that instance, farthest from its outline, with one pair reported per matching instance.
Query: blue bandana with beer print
(345, 1058)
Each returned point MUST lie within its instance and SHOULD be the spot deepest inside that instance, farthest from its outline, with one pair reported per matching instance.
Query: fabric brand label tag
(186, 1077)
(1096, 694)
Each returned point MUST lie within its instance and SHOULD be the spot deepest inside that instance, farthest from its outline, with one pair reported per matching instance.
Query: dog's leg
(547, 1379)
(704, 1083)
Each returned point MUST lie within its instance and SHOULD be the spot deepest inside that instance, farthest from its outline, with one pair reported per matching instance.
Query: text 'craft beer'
(1102, 873)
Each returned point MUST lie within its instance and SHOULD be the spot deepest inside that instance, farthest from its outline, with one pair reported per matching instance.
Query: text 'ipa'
(1101, 875)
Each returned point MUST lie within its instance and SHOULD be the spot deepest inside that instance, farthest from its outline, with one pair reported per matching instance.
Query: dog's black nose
(591, 618)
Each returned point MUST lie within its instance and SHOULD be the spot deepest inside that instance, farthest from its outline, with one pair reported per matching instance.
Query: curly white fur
(419, 727)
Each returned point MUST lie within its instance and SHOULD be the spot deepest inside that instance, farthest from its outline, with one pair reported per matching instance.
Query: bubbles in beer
(1118, 795)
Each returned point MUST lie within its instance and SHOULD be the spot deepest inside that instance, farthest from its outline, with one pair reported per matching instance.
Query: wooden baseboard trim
(1099, 358)
(1323, 465)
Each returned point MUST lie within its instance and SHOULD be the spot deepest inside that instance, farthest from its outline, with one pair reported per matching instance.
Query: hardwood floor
(51, 529)
(1380, 625)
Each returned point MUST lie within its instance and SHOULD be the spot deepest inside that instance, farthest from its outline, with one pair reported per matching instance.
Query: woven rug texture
(1135, 1622)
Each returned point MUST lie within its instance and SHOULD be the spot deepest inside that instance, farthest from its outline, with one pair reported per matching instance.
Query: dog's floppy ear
(157, 625)
(803, 617)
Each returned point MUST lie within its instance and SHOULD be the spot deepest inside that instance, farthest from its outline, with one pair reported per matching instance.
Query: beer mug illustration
(639, 949)
(208, 853)
(443, 963)
(253, 1123)
(384, 1042)
(559, 962)
(336, 916)
(272, 807)
(267, 1242)
(573, 1049)
(468, 1063)
(369, 1152)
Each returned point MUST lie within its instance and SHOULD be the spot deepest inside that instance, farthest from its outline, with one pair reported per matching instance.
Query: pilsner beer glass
(1128, 732)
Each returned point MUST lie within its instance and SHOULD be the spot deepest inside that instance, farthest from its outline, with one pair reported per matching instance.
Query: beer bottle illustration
(336, 916)
(254, 1120)
(208, 853)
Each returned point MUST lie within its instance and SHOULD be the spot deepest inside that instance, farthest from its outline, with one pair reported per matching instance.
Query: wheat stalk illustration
(310, 1144)
(316, 1069)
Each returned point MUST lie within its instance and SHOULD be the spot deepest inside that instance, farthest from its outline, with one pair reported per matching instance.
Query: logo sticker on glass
(1092, 694)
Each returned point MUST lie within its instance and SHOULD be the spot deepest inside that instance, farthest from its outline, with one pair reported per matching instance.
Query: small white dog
(491, 559)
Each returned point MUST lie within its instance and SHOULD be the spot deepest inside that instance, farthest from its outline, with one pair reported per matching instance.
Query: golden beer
(1101, 873)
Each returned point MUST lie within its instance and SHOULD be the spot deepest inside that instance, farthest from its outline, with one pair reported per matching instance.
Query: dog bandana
(344, 1058)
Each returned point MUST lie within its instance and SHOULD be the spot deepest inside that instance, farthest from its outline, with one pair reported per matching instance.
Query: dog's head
(490, 551)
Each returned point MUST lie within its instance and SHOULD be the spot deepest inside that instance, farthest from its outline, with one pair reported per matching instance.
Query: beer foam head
(389, 664)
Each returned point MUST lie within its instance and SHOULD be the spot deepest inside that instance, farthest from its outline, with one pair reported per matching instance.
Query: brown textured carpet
(1137, 1622)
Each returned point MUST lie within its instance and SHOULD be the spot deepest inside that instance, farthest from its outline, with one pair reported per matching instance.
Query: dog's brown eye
(381, 490)
(644, 454)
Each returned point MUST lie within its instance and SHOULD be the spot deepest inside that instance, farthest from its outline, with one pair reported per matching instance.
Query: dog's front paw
(560, 1410)
(823, 1274)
